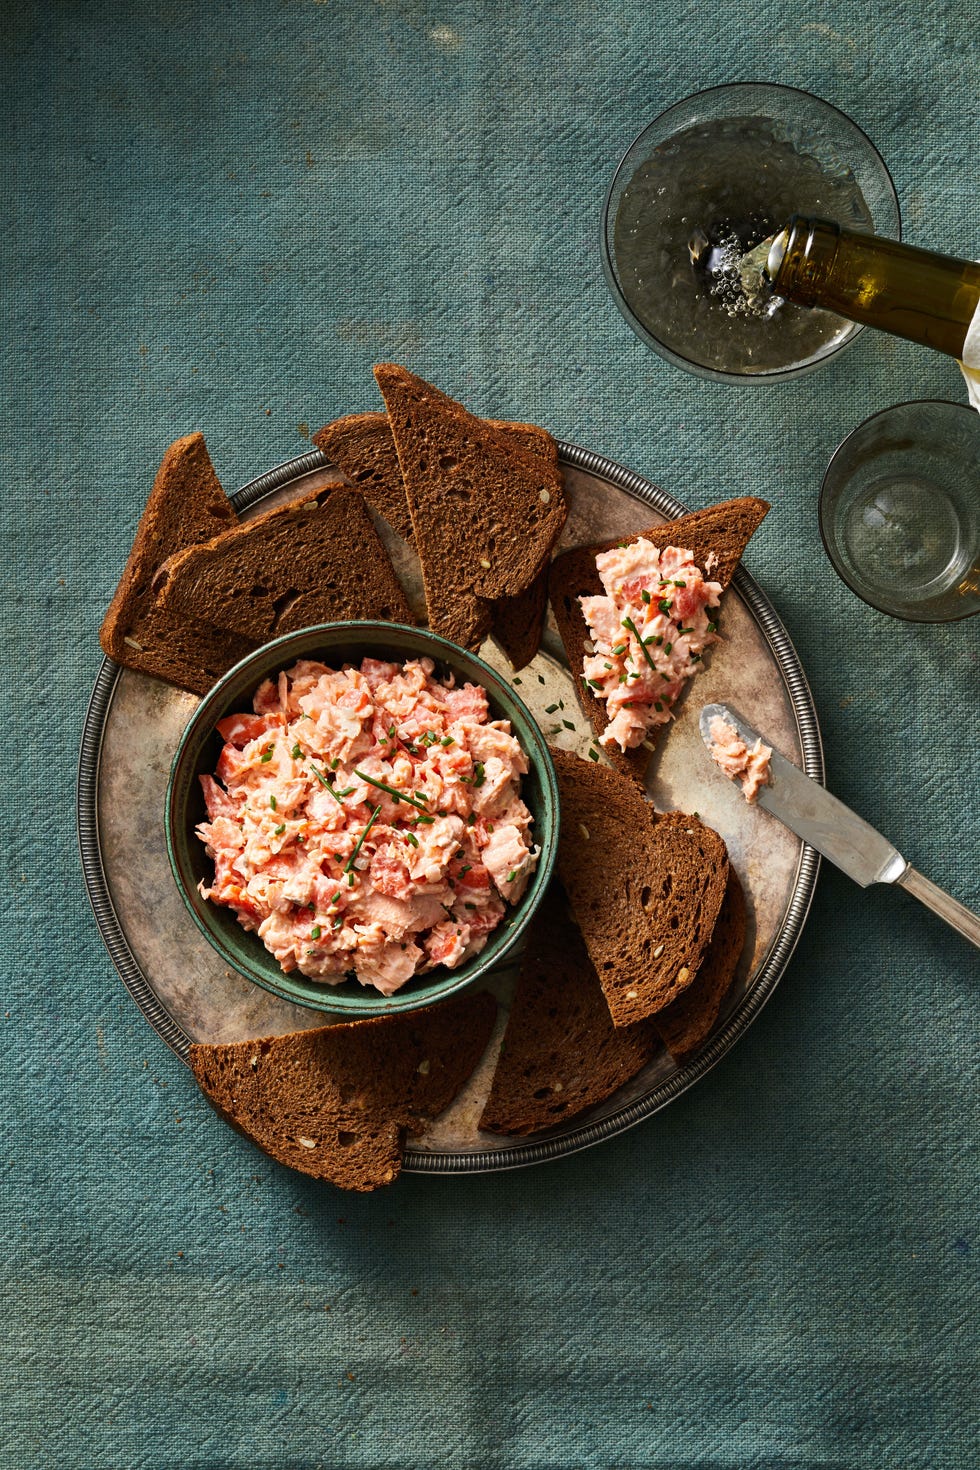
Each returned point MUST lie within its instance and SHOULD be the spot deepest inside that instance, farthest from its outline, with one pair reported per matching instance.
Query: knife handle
(956, 914)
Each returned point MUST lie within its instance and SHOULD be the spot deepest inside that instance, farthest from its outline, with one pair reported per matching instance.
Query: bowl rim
(823, 513)
(365, 1002)
(669, 354)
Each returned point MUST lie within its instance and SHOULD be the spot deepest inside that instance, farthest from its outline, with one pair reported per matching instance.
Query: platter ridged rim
(523, 1153)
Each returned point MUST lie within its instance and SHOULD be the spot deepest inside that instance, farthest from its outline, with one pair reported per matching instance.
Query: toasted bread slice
(486, 516)
(362, 447)
(337, 1101)
(186, 506)
(561, 1053)
(645, 888)
(687, 1021)
(722, 530)
(315, 560)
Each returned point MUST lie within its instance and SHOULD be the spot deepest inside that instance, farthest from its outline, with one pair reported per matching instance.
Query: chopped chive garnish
(658, 640)
(685, 630)
(296, 753)
(327, 787)
(620, 648)
(421, 796)
(595, 683)
(478, 774)
(338, 920)
(336, 897)
(391, 790)
(315, 932)
(511, 876)
(668, 647)
(465, 869)
(334, 763)
(267, 753)
(680, 584)
(644, 595)
(424, 821)
(411, 837)
(607, 666)
(712, 627)
(279, 830)
(629, 623)
(272, 802)
(695, 658)
(348, 868)
(447, 740)
(657, 704)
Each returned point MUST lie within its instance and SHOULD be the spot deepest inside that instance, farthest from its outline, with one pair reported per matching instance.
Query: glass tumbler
(900, 511)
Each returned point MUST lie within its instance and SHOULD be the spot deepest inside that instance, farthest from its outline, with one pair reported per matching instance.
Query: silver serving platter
(133, 725)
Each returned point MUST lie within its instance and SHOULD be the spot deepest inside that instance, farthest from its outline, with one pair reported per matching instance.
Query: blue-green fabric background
(217, 217)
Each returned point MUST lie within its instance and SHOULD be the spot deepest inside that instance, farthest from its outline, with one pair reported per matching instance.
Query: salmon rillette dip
(749, 766)
(366, 822)
(649, 631)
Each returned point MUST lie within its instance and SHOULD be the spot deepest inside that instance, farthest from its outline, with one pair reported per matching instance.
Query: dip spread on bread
(649, 632)
(730, 753)
(367, 821)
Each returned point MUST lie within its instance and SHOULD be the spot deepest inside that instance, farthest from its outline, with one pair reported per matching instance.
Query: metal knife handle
(956, 914)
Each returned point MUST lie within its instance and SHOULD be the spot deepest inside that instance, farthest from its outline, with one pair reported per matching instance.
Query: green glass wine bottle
(912, 293)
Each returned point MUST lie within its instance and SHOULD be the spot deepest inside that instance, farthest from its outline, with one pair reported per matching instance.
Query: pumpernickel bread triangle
(337, 1101)
(561, 1053)
(486, 515)
(362, 447)
(186, 506)
(686, 1022)
(315, 560)
(645, 888)
(722, 531)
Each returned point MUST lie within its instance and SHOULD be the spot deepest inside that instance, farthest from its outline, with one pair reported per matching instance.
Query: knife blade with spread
(836, 832)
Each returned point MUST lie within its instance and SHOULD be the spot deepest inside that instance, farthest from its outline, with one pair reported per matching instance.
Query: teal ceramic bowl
(335, 644)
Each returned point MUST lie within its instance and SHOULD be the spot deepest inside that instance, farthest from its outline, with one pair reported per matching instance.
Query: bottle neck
(911, 293)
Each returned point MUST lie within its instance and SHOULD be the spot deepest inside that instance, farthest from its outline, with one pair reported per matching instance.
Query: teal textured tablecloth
(217, 217)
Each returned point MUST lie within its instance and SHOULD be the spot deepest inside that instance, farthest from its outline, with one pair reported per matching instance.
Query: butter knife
(810, 811)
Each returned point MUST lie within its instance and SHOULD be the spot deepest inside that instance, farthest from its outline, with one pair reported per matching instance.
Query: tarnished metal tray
(133, 725)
